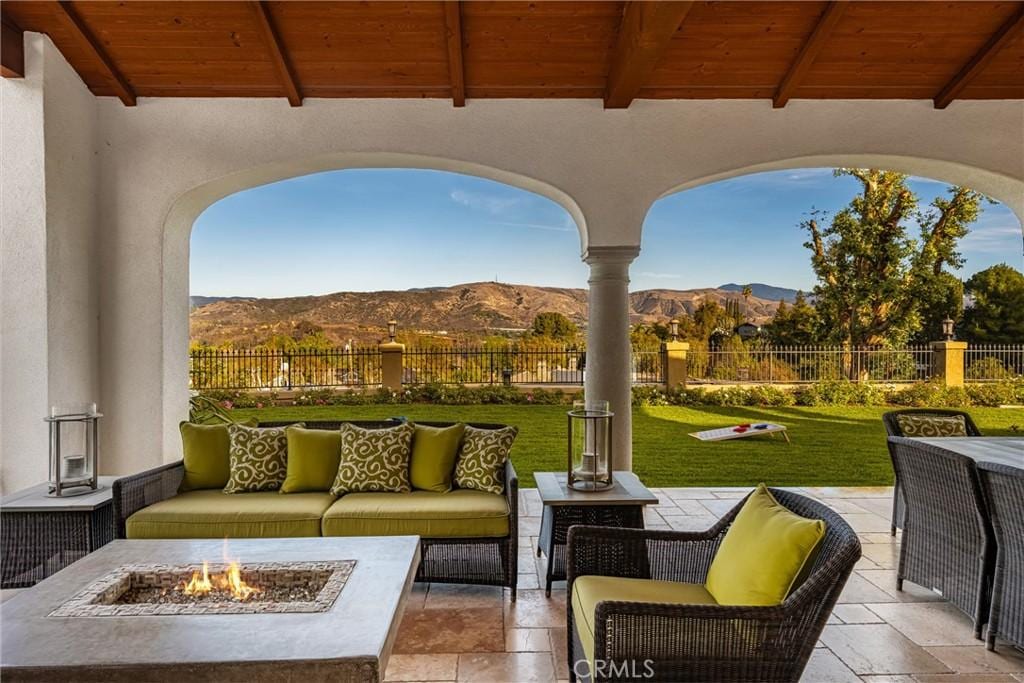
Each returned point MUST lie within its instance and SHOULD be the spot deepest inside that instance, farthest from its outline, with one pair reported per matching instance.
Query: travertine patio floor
(876, 634)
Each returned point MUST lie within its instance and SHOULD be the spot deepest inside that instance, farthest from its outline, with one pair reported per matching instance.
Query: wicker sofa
(466, 536)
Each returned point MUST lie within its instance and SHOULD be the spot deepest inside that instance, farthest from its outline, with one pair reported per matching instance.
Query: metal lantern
(590, 446)
(74, 450)
(947, 328)
(392, 329)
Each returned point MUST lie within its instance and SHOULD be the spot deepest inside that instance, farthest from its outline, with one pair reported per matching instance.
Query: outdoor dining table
(1005, 450)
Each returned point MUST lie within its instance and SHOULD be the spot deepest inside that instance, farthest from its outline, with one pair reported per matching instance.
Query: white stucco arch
(187, 207)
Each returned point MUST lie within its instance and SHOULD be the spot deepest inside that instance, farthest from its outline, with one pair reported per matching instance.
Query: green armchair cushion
(461, 513)
(922, 424)
(481, 463)
(215, 514)
(313, 456)
(205, 455)
(434, 450)
(258, 457)
(587, 591)
(763, 554)
(374, 459)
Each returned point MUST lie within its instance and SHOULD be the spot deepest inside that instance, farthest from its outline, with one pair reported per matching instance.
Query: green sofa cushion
(460, 513)
(587, 591)
(258, 457)
(763, 554)
(434, 450)
(313, 456)
(215, 514)
(481, 463)
(205, 454)
(374, 460)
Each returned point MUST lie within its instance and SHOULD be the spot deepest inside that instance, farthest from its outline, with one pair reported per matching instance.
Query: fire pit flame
(230, 581)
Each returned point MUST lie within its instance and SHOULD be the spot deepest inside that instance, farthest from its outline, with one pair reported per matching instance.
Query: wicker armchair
(947, 540)
(892, 428)
(481, 561)
(1004, 493)
(706, 642)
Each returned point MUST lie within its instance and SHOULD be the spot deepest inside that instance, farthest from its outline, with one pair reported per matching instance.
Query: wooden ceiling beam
(644, 35)
(12, 48)
(809, 52)
(83, 34)
(1007, 32)
(278, 54)
(453, 38)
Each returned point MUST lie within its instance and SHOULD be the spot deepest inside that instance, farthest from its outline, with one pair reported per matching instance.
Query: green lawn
(835, 446)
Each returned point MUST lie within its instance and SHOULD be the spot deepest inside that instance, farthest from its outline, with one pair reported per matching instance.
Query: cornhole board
(726, 433)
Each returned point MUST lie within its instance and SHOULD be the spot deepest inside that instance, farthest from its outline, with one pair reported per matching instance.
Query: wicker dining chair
(947, 540)
(892, 428)
(1003, 487)
(682, 642)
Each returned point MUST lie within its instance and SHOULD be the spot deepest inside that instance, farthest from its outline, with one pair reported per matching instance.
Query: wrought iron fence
(261, 369)
(648, 366)
(993, 362)
(804, 364)
(494, 365)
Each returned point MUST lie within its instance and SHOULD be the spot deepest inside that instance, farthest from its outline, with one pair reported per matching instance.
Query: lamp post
(947, 328)
(392, 328)
(673, 326)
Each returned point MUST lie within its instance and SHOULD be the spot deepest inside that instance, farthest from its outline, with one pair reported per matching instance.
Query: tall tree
(997, 313)
(554, 326)
(872, 277)
(794, 325)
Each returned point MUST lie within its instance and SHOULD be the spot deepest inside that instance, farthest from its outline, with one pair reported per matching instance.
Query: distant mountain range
(763, 291)
(467, 308)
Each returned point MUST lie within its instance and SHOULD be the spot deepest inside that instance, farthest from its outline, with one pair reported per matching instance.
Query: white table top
(1005, 450)
(35, 499)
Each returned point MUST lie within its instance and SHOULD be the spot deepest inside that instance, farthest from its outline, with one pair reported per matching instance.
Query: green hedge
(827, 393)
(838, 393)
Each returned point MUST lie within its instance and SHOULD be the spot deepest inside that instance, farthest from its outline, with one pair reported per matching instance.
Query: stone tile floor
(877, 634)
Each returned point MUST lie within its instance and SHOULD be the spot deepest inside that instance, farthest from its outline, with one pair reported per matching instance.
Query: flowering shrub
(826, 393)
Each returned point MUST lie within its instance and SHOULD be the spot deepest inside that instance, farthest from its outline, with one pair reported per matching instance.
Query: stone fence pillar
(391, 365)
(675, 363)
(948, 362)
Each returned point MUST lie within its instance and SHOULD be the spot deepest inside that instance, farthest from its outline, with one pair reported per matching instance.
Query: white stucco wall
(49, 329)
(161, 163)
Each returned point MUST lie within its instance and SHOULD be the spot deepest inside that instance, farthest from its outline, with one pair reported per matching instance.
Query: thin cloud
(484, 202)
(993, 239)
(661, 276)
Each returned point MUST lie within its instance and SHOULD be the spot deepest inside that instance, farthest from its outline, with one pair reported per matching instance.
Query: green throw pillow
(257, 456)
(763, 554)
(313, 456)
(923, 424)
(374, 459)
(434, 450)
(481, 463)
(205, 455)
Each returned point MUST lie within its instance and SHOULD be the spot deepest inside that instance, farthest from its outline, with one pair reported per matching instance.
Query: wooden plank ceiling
(614, 51)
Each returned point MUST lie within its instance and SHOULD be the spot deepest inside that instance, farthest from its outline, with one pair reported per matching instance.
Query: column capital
(611, 255)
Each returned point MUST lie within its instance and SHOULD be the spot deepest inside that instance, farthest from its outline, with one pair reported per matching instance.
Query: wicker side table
(620, 506)
(42, 535)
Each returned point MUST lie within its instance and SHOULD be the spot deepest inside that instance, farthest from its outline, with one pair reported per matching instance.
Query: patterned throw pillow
(258, 457)
(932, 425)
(374, 459)
(481, 464)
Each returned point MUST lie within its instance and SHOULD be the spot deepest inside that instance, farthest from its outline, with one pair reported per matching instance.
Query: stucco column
(948, 362)
(675, 363)
(608, 375)
(391, 365)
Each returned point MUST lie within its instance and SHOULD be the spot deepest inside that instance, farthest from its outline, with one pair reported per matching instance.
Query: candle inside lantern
(74, 466)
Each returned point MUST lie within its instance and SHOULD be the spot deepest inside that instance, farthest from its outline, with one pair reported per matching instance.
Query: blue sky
(365, 230)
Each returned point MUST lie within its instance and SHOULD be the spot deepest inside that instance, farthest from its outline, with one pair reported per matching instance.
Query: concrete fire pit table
(349, 640)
